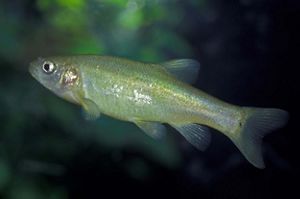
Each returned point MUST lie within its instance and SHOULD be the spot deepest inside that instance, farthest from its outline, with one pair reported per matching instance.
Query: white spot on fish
(140, 98)
(114, 90)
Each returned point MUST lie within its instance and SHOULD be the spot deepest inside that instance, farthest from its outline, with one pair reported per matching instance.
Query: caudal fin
(257, 123)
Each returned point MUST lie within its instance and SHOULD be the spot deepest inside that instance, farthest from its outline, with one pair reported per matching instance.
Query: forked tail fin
(257, 123)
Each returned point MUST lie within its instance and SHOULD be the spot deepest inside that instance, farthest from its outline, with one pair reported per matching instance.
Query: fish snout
(33, 69)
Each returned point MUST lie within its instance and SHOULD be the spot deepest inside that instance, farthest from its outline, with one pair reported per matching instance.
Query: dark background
(248, 51)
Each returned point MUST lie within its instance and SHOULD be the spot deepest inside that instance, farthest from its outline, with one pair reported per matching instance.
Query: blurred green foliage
(40, 133)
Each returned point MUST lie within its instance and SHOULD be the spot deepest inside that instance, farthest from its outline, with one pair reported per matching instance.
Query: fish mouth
(32, 70)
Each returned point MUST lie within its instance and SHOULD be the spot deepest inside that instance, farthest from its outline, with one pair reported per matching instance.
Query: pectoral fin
(91, 109)
(199, 136)
(153, 129)
(183, 69)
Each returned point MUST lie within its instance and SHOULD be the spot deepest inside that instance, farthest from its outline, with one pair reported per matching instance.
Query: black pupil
(46, 67)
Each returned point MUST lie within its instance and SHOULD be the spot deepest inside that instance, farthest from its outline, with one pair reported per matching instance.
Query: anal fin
(199, 136)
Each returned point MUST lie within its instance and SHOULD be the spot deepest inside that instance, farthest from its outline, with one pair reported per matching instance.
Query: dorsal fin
(183, 69)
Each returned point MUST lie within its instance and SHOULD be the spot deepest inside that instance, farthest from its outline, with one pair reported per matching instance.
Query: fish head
(56, 75)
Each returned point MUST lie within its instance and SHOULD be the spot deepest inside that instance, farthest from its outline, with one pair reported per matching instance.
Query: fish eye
(48, 67)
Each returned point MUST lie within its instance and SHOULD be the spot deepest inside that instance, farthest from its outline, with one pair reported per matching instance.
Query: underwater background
(249, 55)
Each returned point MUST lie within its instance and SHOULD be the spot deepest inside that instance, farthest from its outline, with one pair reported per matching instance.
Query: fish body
(150, 95)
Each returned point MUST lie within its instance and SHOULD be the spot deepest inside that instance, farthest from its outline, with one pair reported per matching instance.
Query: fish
(153, 95)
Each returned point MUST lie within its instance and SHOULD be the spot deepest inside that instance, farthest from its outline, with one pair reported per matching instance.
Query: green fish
(151, 95)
